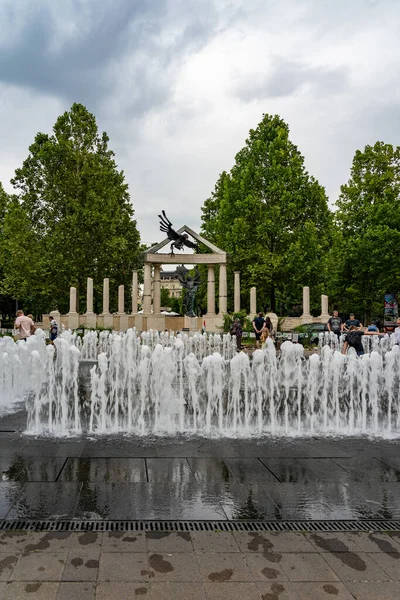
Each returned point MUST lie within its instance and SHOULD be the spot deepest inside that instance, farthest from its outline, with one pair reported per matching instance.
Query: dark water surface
(196, 478)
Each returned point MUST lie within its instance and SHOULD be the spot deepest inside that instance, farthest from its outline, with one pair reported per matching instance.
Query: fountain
(159, 383)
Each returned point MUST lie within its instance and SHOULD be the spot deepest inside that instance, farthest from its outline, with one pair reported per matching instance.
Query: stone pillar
(134, 292)
(236, 303)
(123, 318)
(73, 317)
(324, 316)
(253, 302)
(147, 289)
(106, 319)
(306, 317)
(121, 300)
(223, 301)
(90, 316)
(211, 290)
(157, 290)
(106, 296)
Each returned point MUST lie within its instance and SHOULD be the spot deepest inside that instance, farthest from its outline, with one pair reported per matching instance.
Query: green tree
(368, 217)
(271, 216)
(73, 218)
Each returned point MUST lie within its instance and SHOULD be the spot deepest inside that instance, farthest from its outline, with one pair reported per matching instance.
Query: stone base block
(91, 320)
(105, 320)
(192, 323)
(156, 321)
(123, 322)
(306, 319)
(214, 323)
(73, 321)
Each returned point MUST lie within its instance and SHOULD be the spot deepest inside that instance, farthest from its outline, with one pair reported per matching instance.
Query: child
(53, 329)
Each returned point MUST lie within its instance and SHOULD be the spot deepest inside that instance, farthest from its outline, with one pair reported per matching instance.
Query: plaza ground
(183, 479)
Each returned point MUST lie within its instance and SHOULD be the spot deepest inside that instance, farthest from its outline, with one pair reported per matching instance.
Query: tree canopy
(71, 217)
(271, 216)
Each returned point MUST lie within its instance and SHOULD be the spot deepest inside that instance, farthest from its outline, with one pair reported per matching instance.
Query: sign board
(391, 311)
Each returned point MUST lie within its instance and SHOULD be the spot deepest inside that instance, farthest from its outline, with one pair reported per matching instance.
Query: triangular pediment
(185, 229)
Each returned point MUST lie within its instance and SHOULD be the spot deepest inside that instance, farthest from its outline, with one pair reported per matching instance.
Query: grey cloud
(287, 77)
(110, 38)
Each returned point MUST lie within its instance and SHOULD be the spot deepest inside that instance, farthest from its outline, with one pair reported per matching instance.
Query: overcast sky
(177, 84)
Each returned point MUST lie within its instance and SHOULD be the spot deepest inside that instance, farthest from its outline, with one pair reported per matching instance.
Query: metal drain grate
(274, 526)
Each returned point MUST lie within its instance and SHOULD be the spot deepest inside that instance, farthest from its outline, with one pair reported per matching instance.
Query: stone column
(236, 303)
(73, 317)
(90, 316)
(211, 290)
(134, 292)
(324, 316)
(157, 290)
(89, 296)
(106, 296)
(121, 300)
(147, 289)
(106, 316)
(72, 300)
(123, 318)
(223, 302)
(253, 302)
(306, 317)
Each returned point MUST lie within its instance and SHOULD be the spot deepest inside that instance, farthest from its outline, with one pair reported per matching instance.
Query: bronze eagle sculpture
(179, 240)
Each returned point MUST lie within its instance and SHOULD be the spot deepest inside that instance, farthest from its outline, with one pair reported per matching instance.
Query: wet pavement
(199, 566)
(189, 478)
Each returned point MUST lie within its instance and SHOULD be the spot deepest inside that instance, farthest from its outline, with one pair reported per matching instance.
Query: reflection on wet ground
(198, 478)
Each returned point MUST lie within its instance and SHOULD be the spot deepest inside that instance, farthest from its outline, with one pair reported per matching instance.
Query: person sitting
(237, 330)
(352, 322)
(53, 329)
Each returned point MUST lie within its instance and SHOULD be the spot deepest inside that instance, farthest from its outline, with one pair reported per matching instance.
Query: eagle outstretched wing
(166, 227)
(178, 239)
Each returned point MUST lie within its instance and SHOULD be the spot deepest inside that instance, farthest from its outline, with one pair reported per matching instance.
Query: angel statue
(191, 285)
(179, 240)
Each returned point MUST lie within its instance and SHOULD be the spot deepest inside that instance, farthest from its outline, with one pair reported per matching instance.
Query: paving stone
(13, 541)
(307, 567)
(214, 541)
(277, 590)
(39, 566)
(7, 565)
(390, 563)
(89, 540)
(122, 591)
(82, 565)
(53, 542)
(231, 591)
(369, 590)
(276, 542)
(118, 566)
(174, 567)
(177, 591)
(332, 542)
(45, 501)
(223, 567)
(76, 591)
(352, 566)
(33, 590)
(265, 566)
(123, 541)
(164, 541)
(375, 542)
(322, 591)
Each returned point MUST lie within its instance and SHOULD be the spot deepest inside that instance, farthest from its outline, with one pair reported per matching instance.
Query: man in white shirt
(25, 325)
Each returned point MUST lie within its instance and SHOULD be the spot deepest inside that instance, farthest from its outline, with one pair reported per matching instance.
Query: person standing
(353, 340)
(237, 330)
(396, 333)
(25, 325)
(352, 322)
(335, 324)
(53, 329)
(258, 325)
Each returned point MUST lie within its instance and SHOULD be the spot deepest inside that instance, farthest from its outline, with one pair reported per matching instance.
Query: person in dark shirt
(354, 340)
(236, 329)
(258, 324)
(352, 322)
(335, 324)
